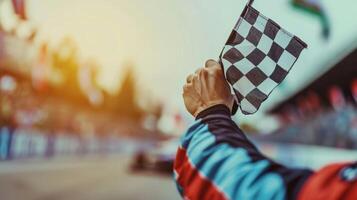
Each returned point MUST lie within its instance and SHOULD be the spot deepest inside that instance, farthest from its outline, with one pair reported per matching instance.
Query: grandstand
(324, 112)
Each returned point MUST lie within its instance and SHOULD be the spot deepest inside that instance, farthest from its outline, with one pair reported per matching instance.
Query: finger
(204, 77)
(198, 70)
(189, 91)
(187, 87)
(189, 78)
(211, 63)
(196, 83)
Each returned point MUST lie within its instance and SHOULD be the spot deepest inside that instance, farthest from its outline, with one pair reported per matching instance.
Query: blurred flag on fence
(315, 7)
(337, 98)
(354, 89)
(19, 8)
(257, 57)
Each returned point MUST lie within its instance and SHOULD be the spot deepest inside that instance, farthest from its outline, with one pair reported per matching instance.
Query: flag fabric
(257, 57)
(19, 8)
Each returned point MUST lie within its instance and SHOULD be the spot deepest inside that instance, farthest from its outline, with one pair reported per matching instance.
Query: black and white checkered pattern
(257, 57)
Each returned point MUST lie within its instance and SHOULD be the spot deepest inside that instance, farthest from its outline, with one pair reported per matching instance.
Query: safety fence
(29, 143)
(300, 155)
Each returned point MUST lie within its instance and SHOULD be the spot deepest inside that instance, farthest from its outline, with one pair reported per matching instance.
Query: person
(215, 159)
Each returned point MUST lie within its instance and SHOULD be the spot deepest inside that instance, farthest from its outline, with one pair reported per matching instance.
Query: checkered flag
(257, 57)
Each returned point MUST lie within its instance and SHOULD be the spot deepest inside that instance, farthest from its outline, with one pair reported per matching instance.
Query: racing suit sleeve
(335, 181)
(215, 160)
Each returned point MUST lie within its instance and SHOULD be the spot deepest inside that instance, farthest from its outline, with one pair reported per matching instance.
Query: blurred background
(90, 91)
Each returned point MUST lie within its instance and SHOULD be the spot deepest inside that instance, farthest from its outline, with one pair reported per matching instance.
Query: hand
(205, 88)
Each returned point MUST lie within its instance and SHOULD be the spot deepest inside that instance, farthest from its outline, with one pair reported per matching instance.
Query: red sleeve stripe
(327, 184)
(194, 184)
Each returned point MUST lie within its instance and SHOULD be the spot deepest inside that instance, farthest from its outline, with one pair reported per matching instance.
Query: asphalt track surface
(91, 178)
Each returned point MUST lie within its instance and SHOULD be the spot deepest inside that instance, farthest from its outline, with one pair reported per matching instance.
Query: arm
(217, 161)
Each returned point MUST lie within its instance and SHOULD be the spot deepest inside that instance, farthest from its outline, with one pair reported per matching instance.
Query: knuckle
(195, 78)
(189, 76)
(187, 87)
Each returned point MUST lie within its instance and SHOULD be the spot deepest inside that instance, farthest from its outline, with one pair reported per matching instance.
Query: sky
(167, 40)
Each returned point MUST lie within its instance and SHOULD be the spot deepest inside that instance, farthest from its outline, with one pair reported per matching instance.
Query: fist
(205, 88)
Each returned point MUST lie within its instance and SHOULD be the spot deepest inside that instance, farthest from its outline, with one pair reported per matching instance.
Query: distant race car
(159, 159)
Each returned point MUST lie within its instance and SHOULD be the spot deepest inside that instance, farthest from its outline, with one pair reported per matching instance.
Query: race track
(94, 178)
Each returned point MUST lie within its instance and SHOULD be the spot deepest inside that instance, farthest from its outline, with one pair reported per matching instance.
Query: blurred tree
(88, 74)
(125, 99)
(65, 60)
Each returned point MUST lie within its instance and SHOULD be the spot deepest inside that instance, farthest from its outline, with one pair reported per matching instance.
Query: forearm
(216, 159)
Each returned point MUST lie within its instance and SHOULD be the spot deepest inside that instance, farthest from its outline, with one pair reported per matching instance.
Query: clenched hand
(205, 88)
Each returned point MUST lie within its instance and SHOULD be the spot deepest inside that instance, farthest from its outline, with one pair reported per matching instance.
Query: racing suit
(215, 160)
